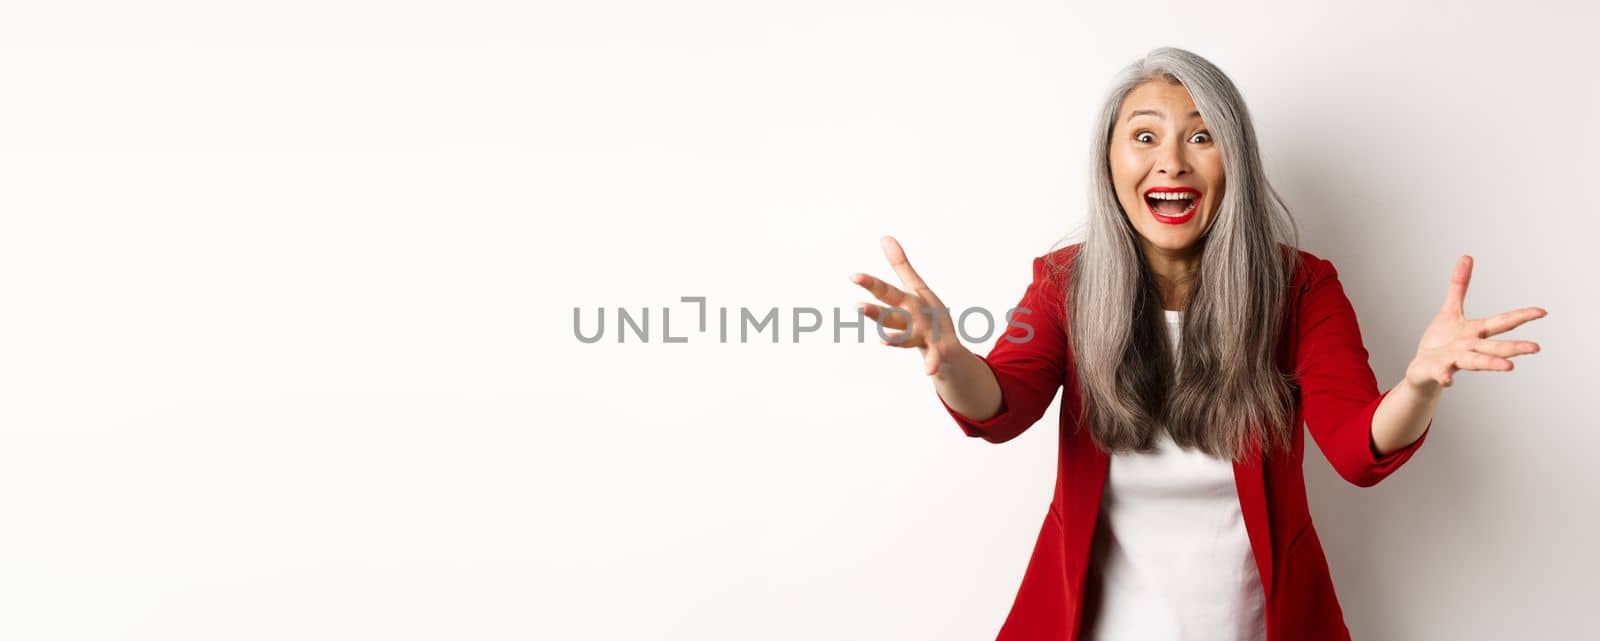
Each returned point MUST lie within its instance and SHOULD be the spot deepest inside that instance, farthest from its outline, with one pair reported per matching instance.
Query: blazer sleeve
(1338, 389)
(1029, 360)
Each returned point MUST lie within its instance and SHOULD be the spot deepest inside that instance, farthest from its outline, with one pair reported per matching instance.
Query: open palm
(923, 320)
(1453, 342)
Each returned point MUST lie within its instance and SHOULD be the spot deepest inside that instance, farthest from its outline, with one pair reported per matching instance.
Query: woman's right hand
(930, 330)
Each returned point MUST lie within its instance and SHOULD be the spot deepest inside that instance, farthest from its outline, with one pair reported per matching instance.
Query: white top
(1171, 558)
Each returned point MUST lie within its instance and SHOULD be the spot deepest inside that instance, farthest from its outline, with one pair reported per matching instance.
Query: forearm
(968, 386)
(1403, 415)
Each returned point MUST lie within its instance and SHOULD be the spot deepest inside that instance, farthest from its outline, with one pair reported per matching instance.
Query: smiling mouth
(1172, 204)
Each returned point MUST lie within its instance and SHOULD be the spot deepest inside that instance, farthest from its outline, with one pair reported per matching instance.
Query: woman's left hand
(1452, 342)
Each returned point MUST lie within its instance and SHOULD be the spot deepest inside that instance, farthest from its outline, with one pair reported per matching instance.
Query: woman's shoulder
(1060, 259)
(1062, 256)
(1055, 266)
(1308, 268)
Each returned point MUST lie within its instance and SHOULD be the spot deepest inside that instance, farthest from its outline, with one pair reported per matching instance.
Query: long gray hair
(1230, 388)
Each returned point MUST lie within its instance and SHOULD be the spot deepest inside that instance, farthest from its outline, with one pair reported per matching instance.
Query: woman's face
(1165, 166)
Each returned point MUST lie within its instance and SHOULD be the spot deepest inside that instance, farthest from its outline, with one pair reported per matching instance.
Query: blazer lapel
(1085, 467)
(1250, 477)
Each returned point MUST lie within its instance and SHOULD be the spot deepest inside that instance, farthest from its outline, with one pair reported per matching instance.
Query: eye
(1141, 136)
(1204, 135)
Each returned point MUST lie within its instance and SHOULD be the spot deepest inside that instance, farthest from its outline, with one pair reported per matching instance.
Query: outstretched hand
(923, 320)
(1453, 342)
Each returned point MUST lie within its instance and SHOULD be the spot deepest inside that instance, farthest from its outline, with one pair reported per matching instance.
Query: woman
(1193, 337)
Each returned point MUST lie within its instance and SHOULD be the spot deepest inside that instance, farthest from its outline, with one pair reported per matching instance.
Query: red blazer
(1337, 395)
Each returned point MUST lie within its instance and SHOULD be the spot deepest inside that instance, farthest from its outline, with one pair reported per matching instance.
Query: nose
(1172, 160)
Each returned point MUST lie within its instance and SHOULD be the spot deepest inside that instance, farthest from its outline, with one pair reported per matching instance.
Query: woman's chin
(1174, 241)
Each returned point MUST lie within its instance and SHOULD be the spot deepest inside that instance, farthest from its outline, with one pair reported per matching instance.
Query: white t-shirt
(1172, 559)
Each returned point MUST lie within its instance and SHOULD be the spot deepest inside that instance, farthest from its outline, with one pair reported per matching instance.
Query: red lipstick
(1165, 193)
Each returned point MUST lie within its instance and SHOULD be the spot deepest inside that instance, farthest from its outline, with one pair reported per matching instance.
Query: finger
(897, 339)
(1505, 348)
(1482, 362)
(933, 362)
(1455, 300)
(879, 289)
(878, 315)
(902, 267)
(1505, 322)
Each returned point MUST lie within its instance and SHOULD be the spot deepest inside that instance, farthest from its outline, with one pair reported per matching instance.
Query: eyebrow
(1152, 112)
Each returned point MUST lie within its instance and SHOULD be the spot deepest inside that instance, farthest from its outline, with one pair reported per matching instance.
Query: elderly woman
(1193, 338)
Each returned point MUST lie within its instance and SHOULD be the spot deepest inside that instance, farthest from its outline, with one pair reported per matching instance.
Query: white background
(286, 344)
